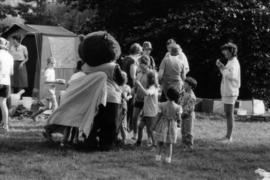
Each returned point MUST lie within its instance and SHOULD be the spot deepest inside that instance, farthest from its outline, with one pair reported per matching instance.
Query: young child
(126, 95)
(139, 95)
(188, 102)
(165, 130)
(150, 106)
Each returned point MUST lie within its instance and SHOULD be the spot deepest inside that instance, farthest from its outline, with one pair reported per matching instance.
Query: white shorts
(229, 99)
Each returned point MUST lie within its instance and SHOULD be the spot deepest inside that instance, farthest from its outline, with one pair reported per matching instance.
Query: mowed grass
(29, 156)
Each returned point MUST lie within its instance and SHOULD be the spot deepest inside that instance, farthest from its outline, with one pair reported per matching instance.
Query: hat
(3, 43)
(231, 47)
(147, 45)
(192, 82)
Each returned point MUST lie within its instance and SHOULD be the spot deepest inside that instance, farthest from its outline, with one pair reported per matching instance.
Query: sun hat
(3, 43)
(147, 45)
(230, 47)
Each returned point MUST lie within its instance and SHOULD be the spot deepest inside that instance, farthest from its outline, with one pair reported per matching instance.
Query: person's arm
(133, 70)
(231, 73)
(25, 54)
(11, 66)
(183, 73)
(140, 86)
(161, 69)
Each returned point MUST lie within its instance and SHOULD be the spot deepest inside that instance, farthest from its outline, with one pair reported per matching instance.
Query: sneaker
(168, 159)
(158, 157)
(226, 140)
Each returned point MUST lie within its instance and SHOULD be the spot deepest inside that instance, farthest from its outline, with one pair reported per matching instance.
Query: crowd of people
(108, 96)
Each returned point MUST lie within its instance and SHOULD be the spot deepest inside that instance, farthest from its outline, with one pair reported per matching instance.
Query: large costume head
(99, 48)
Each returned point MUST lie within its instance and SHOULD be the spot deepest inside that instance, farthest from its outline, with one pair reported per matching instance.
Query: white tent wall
(64, 49)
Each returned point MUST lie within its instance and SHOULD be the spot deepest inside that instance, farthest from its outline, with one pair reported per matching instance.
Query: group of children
(161, 119)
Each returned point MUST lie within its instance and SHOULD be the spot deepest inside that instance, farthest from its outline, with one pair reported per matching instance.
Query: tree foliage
(200, 27)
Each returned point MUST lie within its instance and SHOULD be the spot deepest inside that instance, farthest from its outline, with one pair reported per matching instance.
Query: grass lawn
(28, 156)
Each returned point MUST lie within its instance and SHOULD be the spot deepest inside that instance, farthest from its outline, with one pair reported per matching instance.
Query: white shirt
(150, 106)
(231, 79)
(6, 67)
(49, 75)
(183, 59)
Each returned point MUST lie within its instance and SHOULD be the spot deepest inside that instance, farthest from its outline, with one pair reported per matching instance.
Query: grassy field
(28, 156)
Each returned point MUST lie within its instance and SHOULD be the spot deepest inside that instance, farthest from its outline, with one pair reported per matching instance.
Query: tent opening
(30, 42)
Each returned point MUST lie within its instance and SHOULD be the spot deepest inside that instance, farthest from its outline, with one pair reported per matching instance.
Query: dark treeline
(200, 27)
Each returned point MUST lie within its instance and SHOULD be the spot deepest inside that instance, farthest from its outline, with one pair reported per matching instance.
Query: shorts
(4, 91)
(229, 99)
(138, 104)
(149, 122)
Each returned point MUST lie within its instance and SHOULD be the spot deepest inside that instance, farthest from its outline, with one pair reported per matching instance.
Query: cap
(147, 45)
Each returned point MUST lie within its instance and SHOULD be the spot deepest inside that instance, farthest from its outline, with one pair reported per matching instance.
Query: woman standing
(230, 84)
(20, 56)
(171, 71)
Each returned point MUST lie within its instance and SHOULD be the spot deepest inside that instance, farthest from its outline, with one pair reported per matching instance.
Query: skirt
(165, 131)
(20, 77)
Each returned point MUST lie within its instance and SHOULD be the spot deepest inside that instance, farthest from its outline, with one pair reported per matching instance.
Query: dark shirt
(126, 64)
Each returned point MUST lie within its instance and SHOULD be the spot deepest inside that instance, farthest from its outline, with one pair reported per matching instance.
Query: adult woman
(20, 56)
(172, 71)
(230, 84)
(130, 65)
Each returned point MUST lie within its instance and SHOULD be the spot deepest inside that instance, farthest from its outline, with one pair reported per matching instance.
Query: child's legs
(136, 113)
(187, 129)
(53, 98)
(160, 147)
(4, 110)
(169, 149)
(141, 126)
(149, 126)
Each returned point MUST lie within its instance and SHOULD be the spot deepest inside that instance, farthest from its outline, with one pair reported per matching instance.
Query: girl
(139, 96)
(50, 80)
(150, 106)
(166, 128)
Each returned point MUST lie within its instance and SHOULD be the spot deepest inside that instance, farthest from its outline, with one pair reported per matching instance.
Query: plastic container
(16, 98)
(27, 102)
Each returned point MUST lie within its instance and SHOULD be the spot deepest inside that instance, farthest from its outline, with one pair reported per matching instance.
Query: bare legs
(4, 109)
(169, 149)
(229, 110)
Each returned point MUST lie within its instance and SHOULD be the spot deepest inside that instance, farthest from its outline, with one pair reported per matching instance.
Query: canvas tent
(43, 42)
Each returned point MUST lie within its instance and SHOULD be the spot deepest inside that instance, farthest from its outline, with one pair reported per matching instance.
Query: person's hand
(21, 64)
(137, 83)
(219, 64)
